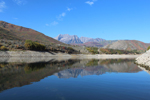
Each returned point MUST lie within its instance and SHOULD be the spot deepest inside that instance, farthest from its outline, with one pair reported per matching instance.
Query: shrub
(34, 67)
(3, 48)
(93, 62)
(2, 65)
(93, 50)
(115, 51)
(148, 48)
(70, 48)
(30, 45)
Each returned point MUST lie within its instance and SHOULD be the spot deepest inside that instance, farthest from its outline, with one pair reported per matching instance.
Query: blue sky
(107, 19)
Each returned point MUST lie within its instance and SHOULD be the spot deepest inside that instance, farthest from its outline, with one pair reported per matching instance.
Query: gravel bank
(144, 59)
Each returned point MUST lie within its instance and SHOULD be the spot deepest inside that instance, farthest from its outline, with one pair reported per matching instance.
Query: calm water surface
(74, 80)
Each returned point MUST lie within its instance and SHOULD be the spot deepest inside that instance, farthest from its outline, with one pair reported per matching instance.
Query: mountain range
(99, 42)
(10, 31)
(75, 40)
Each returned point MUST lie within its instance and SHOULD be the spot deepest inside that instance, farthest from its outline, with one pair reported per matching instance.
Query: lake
(110, 79)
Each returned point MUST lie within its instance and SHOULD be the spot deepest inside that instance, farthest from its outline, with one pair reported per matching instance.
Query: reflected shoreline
(17, 74)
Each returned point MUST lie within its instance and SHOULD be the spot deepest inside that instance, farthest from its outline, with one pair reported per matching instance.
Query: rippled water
(74, 80)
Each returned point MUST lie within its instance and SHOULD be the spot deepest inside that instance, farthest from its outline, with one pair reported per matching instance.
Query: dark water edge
(111, 79)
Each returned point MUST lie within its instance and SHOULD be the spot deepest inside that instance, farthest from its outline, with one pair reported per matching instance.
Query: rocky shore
(144, 59)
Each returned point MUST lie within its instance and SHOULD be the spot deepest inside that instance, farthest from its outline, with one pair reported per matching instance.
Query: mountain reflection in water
(20, 74)
(96, 67)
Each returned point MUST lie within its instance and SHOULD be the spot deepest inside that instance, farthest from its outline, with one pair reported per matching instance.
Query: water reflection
(99, 67)
(20, 74)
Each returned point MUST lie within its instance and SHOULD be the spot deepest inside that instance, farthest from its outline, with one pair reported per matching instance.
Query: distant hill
(11, 31)
(68, 39)
(128, 45)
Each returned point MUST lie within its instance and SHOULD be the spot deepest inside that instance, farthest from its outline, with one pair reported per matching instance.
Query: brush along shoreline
(52, 54)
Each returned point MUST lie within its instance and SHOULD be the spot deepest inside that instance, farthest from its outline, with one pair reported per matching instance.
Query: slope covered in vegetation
(11, 31)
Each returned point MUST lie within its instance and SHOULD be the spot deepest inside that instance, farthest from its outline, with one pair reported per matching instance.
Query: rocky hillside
(128, 45)
(14, 32)
(144, 60)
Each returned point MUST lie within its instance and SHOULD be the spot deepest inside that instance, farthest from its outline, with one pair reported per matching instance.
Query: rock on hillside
(128, 45)
(144, 59)
(66, 38)
(10, 31)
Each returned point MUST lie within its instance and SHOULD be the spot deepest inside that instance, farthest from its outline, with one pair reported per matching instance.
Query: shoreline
(29, 56)
(52, 54)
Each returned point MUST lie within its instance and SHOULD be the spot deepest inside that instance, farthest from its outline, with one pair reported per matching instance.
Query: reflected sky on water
(113, 79)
